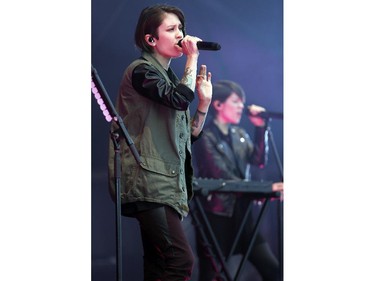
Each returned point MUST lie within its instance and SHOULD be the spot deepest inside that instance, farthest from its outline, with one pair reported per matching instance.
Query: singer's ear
(217, 104)
(149, 39)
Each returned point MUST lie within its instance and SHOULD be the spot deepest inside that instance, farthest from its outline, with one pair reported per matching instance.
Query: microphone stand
(276, 154)
(110, 113)
(280, 207)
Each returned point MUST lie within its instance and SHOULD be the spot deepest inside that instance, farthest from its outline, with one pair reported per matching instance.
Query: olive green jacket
(155, 112)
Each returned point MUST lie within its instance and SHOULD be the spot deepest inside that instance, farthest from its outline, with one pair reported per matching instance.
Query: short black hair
(222, 89)
(150, 19)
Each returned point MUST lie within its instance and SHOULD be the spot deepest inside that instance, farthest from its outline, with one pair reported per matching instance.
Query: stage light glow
(100, 101)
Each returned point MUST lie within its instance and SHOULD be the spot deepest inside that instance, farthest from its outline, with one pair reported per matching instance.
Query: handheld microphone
(267, 114)
(208, 46)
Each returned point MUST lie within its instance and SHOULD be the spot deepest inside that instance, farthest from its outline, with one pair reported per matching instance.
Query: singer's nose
(180, 34)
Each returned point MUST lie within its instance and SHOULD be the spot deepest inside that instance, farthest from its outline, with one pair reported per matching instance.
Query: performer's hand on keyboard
(279, 186)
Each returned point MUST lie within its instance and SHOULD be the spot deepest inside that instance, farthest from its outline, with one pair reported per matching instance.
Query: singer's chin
(178, 55)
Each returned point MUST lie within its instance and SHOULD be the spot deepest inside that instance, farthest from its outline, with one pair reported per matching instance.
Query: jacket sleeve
(148, 82)
(259, 156)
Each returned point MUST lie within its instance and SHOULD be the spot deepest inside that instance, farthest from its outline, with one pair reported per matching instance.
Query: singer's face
(231, 110)
(169, 32)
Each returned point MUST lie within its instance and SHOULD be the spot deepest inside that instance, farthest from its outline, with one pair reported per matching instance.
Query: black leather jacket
(218, 159)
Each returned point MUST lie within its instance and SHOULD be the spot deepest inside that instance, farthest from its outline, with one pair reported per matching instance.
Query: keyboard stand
(200, 218)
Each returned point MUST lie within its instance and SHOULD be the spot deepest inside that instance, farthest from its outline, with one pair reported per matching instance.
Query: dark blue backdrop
(251, 35)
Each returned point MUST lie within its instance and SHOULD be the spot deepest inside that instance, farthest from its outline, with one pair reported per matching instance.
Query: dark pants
(167, 253)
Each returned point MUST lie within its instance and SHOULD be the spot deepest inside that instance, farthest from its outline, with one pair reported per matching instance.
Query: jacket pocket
(160, 167)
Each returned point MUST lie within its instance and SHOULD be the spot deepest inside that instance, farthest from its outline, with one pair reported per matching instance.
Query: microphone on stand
(203, 45)
(266, 114)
